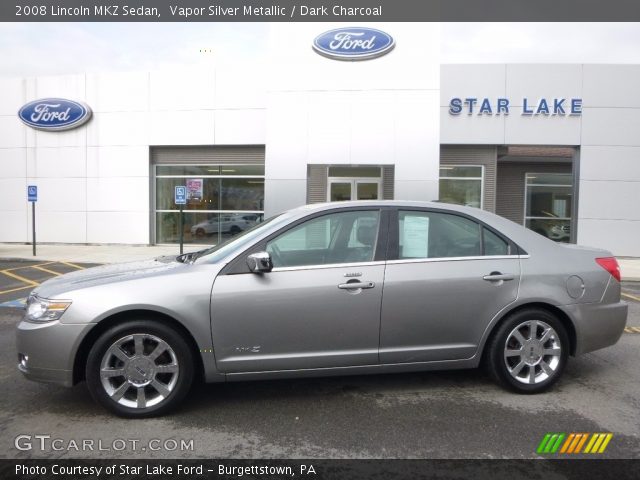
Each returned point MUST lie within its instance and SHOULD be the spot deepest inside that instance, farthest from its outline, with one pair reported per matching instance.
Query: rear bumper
(597, 325)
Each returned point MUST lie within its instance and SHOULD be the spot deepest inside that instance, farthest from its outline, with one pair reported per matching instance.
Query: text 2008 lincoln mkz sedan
(341, 288)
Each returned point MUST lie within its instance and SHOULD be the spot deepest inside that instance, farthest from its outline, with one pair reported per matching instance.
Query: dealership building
(553, 147)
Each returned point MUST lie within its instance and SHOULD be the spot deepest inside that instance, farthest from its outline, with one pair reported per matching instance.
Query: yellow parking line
(632, 297)
(18, 277)
(46, 270)
(27, 266)
(15, 289)
(73, 265)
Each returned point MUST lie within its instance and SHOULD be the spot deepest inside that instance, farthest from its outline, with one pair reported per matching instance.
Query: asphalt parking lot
(19, 277)
(458, 414)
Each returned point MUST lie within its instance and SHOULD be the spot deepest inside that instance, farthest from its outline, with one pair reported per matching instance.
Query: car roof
(475, 212)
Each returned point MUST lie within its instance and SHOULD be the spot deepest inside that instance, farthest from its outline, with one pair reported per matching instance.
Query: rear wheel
(529, 351)
(140, 369)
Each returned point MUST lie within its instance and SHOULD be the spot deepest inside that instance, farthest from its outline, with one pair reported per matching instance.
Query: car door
(446, 278)
(320, 305)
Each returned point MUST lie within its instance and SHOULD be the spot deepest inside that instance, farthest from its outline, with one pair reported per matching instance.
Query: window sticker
(414, 236)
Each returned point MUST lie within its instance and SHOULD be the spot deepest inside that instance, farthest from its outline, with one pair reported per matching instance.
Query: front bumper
(597, 325)
(50, 350)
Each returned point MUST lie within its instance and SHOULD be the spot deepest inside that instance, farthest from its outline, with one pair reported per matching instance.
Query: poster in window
(194, 190)
(414, 237)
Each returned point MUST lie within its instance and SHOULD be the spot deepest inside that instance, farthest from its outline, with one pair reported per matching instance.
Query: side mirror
(260, 262)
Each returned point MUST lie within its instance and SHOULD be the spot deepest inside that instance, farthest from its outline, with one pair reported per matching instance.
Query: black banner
(223, 469)
(319, 10)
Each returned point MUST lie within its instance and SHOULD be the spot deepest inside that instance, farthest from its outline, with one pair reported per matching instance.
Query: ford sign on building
(54, 114)
(353, 43)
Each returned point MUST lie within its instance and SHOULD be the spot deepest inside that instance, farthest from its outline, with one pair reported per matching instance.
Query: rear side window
(493, 244)
(437, 235)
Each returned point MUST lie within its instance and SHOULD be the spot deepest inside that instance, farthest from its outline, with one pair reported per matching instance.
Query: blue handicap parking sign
(32, 193)
(181, 195)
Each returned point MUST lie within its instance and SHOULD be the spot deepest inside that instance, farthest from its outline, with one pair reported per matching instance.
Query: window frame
(393, 248)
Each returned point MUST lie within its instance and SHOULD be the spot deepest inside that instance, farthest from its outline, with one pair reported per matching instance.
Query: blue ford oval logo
(54, 114)
(353, 43)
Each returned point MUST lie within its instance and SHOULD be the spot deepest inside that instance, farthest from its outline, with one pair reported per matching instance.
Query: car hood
(106, 274)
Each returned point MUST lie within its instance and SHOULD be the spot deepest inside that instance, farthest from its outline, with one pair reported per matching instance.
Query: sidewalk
(630, 267)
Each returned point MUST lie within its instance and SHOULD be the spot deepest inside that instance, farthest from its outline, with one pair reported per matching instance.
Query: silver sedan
(331, 289)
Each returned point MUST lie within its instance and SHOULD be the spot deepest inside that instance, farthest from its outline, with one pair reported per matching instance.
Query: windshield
(218, 252)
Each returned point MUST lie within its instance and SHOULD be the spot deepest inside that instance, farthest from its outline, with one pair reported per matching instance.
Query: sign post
(32, 196)
(180, 199)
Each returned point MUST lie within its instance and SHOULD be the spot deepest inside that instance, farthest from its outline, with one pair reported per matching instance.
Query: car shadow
(336, 388)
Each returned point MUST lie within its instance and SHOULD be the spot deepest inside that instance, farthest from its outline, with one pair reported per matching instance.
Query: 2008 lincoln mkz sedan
(340, 288)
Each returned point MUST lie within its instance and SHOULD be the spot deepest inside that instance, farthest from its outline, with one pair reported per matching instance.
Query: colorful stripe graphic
(574, 443)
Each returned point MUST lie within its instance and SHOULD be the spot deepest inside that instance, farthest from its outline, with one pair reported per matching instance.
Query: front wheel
(528, 351)
(140, 369)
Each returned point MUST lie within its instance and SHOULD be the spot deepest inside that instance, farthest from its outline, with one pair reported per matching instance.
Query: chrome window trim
(329, 265)
(456, 259)
(394, 262)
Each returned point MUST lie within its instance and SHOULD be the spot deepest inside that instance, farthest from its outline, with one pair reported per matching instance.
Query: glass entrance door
(339, 191)
(354, 182)
(354, 189)
(367, 190)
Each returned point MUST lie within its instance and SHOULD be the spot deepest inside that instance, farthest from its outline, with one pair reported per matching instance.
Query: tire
(234, 230)
(140, 368)
(200, 233)
(511, 357)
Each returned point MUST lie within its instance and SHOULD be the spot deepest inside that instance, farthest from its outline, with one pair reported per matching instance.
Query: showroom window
(462, 184)
(222, 201)
(548, 202)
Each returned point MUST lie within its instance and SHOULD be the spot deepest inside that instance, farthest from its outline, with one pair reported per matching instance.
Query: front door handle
(497, 276)
(356, 285)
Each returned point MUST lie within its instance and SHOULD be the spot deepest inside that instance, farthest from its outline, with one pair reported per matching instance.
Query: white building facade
(297, 128)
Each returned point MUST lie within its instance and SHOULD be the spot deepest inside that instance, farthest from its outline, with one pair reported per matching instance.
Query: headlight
(43, 310)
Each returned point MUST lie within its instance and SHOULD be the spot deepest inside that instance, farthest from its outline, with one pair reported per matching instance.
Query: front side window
(437, 235)
(345, 237)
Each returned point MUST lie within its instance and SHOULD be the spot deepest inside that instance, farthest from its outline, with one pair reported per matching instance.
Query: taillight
(610, 264)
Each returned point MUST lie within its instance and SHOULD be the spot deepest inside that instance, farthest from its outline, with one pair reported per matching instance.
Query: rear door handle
(356, 285)
(497, 276)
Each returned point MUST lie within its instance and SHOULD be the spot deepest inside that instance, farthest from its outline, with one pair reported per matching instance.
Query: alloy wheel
(139, 370)
(532, 352)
